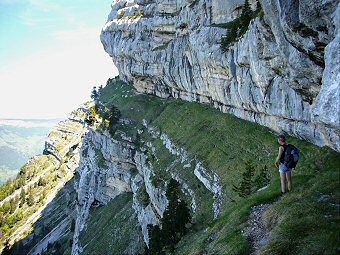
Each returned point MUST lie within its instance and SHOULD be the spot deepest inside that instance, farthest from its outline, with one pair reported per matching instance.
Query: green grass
(61, 207)
(296, 221)
(113, 229)
(224, 144)
(132, 105)
(304, 223)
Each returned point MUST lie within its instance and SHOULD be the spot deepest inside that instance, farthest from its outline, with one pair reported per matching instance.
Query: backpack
(291, 156)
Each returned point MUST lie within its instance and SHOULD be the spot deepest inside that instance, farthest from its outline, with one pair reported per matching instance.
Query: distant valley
(20, 139)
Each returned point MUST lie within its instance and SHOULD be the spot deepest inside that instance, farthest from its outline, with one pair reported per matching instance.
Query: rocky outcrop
(65, 137)
(109, 167)
(50, 178)
(208, 178)
(102, 176)
(283, 73)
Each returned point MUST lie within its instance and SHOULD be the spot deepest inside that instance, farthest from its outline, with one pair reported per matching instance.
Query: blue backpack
(291, 156)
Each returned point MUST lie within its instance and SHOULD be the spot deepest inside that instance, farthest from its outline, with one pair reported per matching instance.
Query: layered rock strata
(109, 167)
(283, 73)
(50, 178)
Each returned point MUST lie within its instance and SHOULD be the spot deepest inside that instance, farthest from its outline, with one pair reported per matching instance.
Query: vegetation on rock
(304, 221)
(248, 185)
(239, 26)
(209, 136)
(173, 224)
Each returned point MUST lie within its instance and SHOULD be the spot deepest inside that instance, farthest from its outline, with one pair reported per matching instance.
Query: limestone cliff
(47, 196)
(110, 167)
(155, 140)
(283, 73)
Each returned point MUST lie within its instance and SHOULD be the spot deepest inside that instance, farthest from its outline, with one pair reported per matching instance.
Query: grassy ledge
(304, 220)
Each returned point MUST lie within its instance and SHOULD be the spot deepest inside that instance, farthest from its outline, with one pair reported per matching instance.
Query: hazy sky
(50, 55)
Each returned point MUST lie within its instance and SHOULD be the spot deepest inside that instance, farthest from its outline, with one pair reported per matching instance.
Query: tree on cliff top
(94, 93)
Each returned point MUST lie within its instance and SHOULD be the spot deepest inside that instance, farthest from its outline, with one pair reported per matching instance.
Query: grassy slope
(112, 229)
(224, 143)
(61, 208)
(27, 232)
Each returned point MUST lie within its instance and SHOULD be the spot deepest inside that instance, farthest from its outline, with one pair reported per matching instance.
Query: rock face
(65, 137)
(51, 215)
(109, 167)
(283, 73)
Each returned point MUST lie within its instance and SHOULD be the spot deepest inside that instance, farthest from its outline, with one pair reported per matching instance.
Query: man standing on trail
(285, 172)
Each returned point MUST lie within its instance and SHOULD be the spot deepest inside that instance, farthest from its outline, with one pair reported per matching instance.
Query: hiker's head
(281, 139)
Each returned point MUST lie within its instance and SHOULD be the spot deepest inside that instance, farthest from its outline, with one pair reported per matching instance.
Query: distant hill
(20, 139)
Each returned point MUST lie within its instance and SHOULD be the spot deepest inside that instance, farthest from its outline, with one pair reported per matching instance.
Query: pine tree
(170, 225)
(19, 215)
(175, 218)
(73, 225)
(114, 118)
(100, 90)
(183, 217)
(246, 9)
(7, 207)
(30, 199)
(94, 93)
(245, 18)
(13, 206)
(263, 178)
(258, 6)
(115, 115)
(259, 12)
(155, 240)
(246, 186)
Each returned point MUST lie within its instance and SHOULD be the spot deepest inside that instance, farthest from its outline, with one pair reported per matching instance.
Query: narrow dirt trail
(256, 232)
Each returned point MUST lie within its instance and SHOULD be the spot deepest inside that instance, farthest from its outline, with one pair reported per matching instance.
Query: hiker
(285, 172)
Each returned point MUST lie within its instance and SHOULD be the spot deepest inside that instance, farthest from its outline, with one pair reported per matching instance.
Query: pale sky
(50, 55)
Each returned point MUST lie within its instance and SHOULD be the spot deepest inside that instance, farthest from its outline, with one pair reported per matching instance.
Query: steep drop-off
(129, 148)
(155, 140)
(140, 135)
(40, 204)
(283, 73)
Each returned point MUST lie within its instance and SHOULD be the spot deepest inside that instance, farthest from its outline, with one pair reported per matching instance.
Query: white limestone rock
(275, 75)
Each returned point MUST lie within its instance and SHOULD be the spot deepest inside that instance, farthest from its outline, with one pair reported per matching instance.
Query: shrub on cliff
(174, 221)
(94, 93)
(239, 26)
(92, 116)
(114, 117)
(248, 184)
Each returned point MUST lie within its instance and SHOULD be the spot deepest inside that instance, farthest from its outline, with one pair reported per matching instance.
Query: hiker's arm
(277, 161)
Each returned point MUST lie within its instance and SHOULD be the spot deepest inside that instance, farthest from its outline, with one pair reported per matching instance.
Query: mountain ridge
(169, 136)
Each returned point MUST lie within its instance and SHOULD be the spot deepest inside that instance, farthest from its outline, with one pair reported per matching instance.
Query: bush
(248, 184)
(174, 221)
(183, 26)
(120, 14)
(92, 116)
(245, 187)
(239, 26)
(114, 117)
(42, 182)
(263, 178)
